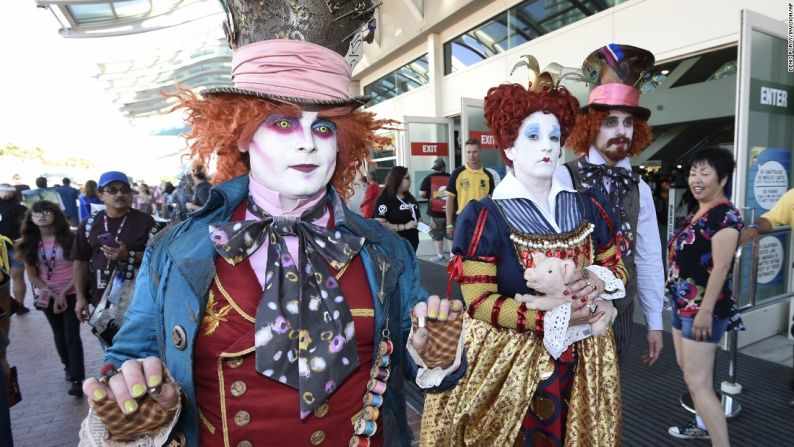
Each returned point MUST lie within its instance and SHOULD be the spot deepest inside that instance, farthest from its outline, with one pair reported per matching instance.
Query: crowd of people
(270, 310)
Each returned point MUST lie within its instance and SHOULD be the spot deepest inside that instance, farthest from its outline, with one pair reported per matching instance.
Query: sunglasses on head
(112, 190)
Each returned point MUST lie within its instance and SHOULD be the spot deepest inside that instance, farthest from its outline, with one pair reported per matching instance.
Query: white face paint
(537, 147)
(614, 136)
(295, 157)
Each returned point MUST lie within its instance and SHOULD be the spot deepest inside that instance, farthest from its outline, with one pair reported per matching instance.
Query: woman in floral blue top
(700, 261)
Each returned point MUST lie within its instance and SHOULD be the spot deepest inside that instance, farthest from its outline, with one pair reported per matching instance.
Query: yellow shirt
(783, 211)
(466, 184)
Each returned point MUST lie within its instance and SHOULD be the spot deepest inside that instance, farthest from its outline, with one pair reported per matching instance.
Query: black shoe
(689, 431)
(22, 310)
(76, 389)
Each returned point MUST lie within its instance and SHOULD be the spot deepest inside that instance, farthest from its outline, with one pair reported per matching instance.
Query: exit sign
(429, 149)
(487, 140)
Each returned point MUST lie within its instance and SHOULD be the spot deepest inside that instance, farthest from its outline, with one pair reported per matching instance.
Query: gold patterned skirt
(489, 403)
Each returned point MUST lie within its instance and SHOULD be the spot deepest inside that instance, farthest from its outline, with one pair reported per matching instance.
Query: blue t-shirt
(69, 197)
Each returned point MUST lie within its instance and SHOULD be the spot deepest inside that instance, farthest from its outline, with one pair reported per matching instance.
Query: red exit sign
(487, 140)
(429, 149)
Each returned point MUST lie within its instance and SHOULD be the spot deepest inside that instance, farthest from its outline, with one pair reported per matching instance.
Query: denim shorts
(684, 324)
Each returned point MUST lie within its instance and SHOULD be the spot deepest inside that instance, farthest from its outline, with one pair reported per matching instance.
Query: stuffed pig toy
(550, 276)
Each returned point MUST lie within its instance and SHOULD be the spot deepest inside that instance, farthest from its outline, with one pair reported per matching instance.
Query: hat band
(615, 95)
(291, 68)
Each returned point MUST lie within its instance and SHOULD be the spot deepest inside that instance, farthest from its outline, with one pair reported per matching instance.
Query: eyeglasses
(41, 213)
(113, 190)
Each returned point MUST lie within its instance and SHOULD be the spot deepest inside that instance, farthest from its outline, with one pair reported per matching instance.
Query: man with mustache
(107, 240)
(608, 132)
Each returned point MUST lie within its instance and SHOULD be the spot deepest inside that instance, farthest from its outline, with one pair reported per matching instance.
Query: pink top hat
(617, 72)
(296, 52)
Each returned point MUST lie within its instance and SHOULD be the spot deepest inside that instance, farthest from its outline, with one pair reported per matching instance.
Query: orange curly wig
(588, 125)
(223, 123)
(507, 105)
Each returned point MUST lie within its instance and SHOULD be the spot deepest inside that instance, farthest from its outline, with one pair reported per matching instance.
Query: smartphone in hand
(107, 239)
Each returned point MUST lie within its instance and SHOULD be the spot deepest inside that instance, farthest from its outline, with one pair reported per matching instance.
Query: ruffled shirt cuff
(432, 377)
(613, 287)
(555, 329)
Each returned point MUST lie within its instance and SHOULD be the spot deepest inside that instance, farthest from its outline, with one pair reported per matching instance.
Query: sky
(52, 99)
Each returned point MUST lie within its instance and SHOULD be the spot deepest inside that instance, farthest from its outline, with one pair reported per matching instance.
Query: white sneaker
(439, 258)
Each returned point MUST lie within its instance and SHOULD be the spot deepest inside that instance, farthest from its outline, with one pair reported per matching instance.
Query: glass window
(406, 78)
(659, 76)
(477, 44)
(709, 66)
(727, 69)
(131, 8)
(96, 12)
(518, 25)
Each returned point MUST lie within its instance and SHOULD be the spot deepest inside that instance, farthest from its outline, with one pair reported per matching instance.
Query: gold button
(238, 388)
(179, 337)
(242, 418)
(317, 437)
(234, 362)
(245, 443)
(321, 411)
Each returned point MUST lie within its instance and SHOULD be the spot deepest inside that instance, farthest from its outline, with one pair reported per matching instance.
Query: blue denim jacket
(179, 266)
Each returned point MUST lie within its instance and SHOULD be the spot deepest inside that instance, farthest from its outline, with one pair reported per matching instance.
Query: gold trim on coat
(231, 301)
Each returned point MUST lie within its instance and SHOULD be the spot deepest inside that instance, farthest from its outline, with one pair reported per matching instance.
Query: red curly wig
(508, 104)
(588, 124)
(223, 123)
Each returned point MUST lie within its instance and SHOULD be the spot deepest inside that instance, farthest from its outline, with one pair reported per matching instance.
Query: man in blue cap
(111, 239)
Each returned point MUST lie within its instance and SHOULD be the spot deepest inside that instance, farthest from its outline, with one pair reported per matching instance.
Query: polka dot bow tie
(305, 336)
(620, 180)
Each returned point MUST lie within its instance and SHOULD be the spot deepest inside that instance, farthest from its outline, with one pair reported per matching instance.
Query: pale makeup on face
(536, 150)
(704, 183)
(614, 136)
(294, 156)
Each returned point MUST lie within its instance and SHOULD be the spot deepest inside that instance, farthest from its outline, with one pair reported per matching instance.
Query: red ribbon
(455, 272)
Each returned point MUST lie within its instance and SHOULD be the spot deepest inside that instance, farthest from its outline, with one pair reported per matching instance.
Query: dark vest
(632, 207)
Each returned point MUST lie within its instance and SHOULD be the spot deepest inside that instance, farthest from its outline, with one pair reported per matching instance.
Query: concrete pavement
(47, 416)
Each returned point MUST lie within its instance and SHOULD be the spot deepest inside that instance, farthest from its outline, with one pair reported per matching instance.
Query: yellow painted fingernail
(443, 315)
(130, 406)
(154, 381)
(432, 313)
(99, 395)
(138, 390)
